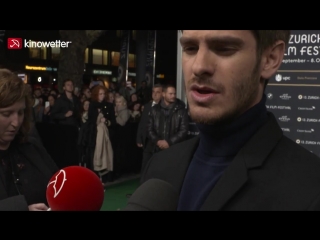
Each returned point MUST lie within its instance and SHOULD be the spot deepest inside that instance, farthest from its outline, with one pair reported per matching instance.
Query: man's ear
(272, 59)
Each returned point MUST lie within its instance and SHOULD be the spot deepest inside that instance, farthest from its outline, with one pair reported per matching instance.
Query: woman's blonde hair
(12, 90)
(123, 100)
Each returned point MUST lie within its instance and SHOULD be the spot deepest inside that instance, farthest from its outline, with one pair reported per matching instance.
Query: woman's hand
(38, 207)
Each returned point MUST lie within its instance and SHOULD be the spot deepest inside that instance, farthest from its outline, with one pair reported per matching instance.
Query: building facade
(39, 66)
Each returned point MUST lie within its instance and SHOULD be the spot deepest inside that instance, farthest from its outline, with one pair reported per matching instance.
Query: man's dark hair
(165, 88)
(157, 86)
(67, 80)
(266, 38)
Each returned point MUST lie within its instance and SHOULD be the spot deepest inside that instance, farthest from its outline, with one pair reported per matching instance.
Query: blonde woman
(121, 110)
(122, 155)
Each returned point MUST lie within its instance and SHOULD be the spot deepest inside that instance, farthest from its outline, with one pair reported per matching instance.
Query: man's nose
(204, 63)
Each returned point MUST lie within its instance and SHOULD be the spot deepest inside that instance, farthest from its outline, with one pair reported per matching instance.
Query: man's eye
(189, 49)
(5, 114)
(225, 50)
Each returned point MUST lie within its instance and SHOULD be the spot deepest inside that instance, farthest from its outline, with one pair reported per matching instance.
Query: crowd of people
(108, 130)
(111, 130)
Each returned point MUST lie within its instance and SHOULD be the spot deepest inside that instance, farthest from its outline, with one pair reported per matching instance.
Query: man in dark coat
(241, 160)
(142, 133)
(66, 109)
(168, 122)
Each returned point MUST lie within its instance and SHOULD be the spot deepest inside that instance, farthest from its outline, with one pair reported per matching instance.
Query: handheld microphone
(75, 188)
(153, 195)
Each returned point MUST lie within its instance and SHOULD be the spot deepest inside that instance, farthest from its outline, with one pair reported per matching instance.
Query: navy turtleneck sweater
(217, 148)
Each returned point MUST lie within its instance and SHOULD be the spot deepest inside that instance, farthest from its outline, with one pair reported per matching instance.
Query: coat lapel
(231, 181)
(171, 165)
(252, 155)
(183, 160)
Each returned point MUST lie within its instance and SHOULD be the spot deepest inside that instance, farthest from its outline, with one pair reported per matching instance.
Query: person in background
(135, 113)
(83, 135)
(66, 114)
(112, 87)
(111, 97)
(100, 111)
(76, 92)
(97, 82)
(86, 92)
(143, 140)
(122, 139)
(168, 121)
(82, 98)
(124, 90)
(121, 111)
(39, 110)
(34, 133)
(144, 93)
(25, 166)
(133, 100)
(84, 111)
(37, 93)
(47, 110)
(54, 92)
(66, 110)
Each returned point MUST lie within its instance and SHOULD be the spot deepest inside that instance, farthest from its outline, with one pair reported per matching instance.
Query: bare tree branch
(93, 35)
(71, 63)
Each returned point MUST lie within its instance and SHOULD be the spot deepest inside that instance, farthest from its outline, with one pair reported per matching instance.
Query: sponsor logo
(305, 130)
(284, 119)
(279, 78)
(285, 129)
(285, 96)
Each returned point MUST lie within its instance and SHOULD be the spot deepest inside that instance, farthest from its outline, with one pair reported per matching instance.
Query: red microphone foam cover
(75, 188)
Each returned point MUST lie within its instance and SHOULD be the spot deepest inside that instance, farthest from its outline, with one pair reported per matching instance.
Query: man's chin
(210, 116)
(203, 115)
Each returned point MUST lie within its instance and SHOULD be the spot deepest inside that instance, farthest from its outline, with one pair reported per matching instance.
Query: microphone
(153, 195)
(75, 188)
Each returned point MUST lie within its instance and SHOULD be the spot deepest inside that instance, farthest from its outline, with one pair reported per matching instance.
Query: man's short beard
(243, 94)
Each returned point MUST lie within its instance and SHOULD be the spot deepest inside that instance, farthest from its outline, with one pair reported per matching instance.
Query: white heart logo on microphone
(58, 182)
